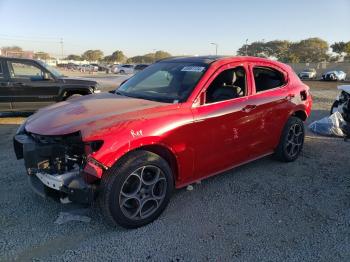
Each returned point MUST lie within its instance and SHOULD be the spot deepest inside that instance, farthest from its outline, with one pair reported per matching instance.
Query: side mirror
(200, 100)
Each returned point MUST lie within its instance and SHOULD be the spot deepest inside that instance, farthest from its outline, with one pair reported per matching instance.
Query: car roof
(211, 59)
(18, 58)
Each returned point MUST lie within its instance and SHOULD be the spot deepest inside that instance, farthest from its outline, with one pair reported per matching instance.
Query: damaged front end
(58, 166)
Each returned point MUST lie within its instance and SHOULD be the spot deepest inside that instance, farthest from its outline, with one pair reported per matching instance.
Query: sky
(181, 27)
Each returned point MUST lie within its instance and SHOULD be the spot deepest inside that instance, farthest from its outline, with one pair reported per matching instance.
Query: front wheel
(291, 141)
(136, 190)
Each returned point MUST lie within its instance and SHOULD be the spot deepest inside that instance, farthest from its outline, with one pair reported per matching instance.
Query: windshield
(164, 82)
(309, 70)
(52, 70)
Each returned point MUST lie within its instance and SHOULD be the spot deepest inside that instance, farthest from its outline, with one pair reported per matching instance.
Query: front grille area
(54, 154)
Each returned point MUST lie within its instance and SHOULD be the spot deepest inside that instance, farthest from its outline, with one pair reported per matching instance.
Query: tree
(149, 58)
(141, 59)
(118, 56)
(338, 47)
(347, 48)
(92, 55)
(279, 49)
(74, 57)
(311, 50)
(41, 55)
(161, 55)
(308, 50)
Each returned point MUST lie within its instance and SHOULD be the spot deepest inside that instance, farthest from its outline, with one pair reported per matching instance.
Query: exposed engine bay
(55, 164)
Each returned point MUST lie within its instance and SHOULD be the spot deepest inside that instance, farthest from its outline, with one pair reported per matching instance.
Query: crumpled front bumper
(71, 185)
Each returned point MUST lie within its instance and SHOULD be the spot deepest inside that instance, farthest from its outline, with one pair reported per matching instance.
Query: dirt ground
(262, 211)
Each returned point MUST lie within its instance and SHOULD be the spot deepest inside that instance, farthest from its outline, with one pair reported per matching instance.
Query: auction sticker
(193, 69)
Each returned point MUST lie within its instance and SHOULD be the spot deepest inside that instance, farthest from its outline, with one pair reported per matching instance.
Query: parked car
(87, 68)
(140, 67)
(27, 85)
(178, 121)
(334, 75)
(309, 73)
(95, 67)
(125, 69)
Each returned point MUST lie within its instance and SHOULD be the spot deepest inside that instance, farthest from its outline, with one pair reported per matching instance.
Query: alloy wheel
(142, 192)
(294, 140)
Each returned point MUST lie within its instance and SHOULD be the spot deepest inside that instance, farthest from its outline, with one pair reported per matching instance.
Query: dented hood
(88, 114)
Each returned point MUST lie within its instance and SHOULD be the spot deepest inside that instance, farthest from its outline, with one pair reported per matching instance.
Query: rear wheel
(291, 141)
(136, 190)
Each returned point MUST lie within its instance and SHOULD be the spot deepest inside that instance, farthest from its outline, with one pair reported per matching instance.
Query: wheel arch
(161, 150)
(66, 92)
(300, 114)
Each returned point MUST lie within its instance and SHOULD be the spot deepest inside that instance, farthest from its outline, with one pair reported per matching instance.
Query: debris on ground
(333, 125)
(74, 215)
(189, 188)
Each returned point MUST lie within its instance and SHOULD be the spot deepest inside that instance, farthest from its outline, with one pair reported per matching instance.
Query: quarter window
(267, 78)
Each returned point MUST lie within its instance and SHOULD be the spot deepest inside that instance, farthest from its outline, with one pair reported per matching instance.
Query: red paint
(204, 139)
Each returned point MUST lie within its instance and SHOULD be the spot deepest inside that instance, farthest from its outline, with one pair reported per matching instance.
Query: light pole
(216, 48)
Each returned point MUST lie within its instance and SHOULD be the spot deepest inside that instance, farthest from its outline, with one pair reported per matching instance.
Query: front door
(31, 86)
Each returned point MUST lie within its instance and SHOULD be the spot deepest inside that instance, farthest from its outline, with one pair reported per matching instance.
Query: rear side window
(267, 78)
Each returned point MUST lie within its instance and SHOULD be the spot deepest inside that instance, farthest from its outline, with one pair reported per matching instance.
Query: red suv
(178, 121)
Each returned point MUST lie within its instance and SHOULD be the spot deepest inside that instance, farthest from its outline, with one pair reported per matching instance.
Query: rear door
(272, 103)
(31, 85)
(5, 102)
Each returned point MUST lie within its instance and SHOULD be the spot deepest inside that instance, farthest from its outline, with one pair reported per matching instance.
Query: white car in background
(88, 68)
(309, 73)
(334, 76)
(125, 69)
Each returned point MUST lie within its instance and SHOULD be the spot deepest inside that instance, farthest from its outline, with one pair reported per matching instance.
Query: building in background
(15, 53)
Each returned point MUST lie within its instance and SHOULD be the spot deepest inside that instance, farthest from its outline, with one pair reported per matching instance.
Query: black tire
(335, 104)
(118, 211)
(290, 146)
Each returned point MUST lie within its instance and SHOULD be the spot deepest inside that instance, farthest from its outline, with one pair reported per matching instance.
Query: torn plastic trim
(95, 162)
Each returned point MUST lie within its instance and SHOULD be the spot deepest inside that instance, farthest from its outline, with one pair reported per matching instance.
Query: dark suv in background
(27, 85)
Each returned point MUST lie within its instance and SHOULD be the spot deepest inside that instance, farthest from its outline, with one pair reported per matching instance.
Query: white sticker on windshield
(193, 69)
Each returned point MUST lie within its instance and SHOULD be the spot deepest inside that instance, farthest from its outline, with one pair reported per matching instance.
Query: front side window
(267, 78)
(169, 82)
(1, 70)
(229, 84)
(25, 71)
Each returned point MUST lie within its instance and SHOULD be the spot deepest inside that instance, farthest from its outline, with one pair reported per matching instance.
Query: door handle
(289, 97)
(248, 108)
(19, 84)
